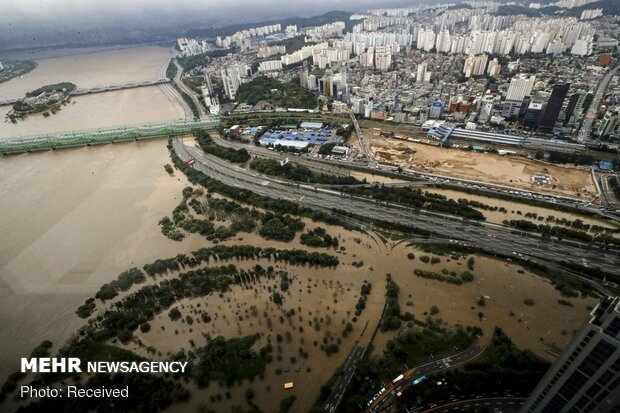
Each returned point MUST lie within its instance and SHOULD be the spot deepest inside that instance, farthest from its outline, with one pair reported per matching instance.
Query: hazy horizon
(27, 24)
(69, 13)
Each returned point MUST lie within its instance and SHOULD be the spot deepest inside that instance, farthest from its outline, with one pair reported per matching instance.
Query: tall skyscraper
(421, 72)
(554, 105)
(475, 65)
(303, 78)
(572, 104)
(586, 376)
(231, 79)
(520, 87)
(532, 113)
(494, 67)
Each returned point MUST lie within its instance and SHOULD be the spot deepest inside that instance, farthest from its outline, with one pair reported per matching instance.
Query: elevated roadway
(372, 162)
(138, 131)
(101, 89)
(179, 82)
(490, 237)
(419, 372)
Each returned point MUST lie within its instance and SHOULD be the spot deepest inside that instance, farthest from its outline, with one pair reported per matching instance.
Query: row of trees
(228, 154)
(243, 252)
(431, 275)
(417, 199)
(281, 206)
(562, 232)
(299, 173)
(124, 282)
(318, 237)
(391, 319)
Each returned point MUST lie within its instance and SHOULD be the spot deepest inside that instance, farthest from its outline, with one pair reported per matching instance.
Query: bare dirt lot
(516, 172)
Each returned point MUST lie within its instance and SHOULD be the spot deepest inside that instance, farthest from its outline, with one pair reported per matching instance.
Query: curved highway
(184, 88)
(490, 237)
(495, 404)
(420, 373)
(173, 95)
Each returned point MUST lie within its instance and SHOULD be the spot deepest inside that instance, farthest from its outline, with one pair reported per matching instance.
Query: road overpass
(87, 137)
(101, 89)
(493, 238)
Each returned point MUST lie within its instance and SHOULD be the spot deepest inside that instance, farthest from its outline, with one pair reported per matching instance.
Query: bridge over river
(87, 137)
(101, 89)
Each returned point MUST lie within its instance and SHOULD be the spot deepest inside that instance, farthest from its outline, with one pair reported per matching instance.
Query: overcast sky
(69, 12)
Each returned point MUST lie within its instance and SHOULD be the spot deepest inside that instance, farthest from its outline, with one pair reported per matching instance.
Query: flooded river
(93, 69)
(146, 104)
(73, 220)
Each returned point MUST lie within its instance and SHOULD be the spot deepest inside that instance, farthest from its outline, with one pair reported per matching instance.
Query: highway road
(173, 95)
(427, 369)
(487, 236)
(491, 404)
(344, 168)
(332, 402)
(184, 88)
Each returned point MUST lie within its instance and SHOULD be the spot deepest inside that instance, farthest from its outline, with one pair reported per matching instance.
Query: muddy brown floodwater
(122, 107)
(330, 296)
(71, 221)
(79, 217)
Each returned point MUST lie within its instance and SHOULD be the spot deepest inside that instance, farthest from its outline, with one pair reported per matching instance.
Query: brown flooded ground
(80, 217)
(509, 171)
(323, 304)
(332, 294)
(372, 178)
(73, 220)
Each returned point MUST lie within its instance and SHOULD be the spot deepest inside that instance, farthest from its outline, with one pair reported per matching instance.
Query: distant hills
(610, 7)
(328, 17)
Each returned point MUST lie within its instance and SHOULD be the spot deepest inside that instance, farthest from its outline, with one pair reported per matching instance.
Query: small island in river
(43, 100)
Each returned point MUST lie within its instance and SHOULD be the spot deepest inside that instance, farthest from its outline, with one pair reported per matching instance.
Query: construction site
(473, 163)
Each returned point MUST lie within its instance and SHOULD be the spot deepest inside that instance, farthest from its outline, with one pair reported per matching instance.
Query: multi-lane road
(173, 95)
(343, 168)
(491, 404)
(332, 402)
(387, 398)
(586, 126)
(487, 236)
(187, 90)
